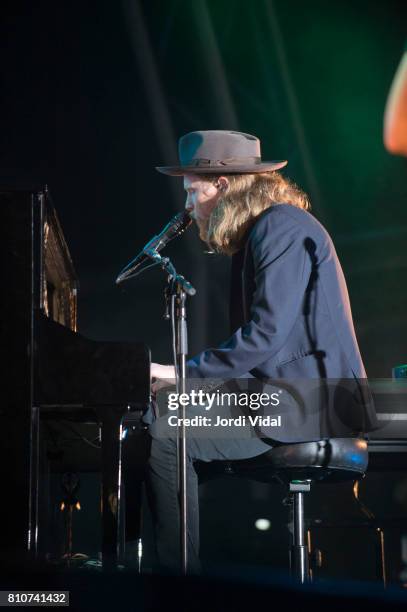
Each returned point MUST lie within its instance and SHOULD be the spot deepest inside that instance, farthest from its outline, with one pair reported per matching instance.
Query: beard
(203, 227)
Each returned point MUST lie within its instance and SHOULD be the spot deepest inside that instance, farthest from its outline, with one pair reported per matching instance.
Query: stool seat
(333, 460)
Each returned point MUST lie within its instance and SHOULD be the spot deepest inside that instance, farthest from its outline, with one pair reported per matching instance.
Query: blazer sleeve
(282, 269)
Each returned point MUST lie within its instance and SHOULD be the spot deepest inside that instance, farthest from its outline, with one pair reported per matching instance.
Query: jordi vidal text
(240, 421)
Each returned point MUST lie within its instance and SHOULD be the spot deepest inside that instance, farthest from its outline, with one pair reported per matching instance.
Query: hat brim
(243, 169)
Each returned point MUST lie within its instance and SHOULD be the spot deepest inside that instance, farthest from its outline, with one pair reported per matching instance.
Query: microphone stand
(178, 290)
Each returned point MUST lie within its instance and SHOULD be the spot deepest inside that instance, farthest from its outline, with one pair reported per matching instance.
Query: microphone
(174, 228)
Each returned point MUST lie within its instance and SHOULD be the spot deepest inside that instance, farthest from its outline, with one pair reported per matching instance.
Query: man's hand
(164, 375)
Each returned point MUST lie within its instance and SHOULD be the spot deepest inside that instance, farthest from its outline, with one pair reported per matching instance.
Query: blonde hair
(246, 197)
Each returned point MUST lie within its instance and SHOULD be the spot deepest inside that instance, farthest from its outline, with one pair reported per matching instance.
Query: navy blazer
(291, 320)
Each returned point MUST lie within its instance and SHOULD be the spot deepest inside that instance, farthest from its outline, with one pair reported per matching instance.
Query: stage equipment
(388, 443)
(176, 294)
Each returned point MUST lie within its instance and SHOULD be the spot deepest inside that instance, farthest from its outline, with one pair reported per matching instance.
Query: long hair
(246, 197)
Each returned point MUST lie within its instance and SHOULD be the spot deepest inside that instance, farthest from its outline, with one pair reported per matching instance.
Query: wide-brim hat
(220, 152)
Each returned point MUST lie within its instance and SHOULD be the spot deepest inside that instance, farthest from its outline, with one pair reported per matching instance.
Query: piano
(52, 370)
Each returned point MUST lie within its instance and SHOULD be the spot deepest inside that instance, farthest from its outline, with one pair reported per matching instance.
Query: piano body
(52, 369)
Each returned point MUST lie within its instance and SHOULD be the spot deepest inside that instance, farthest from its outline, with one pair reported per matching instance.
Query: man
(290, 311)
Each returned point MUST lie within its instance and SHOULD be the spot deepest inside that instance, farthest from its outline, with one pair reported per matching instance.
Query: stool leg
(299, 561)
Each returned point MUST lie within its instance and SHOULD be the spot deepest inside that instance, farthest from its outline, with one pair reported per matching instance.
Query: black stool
(298, 466)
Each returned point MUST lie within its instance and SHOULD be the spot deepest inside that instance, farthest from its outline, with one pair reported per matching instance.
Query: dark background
(96, 94)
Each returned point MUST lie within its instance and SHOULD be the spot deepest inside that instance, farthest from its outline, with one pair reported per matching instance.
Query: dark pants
(162, 488)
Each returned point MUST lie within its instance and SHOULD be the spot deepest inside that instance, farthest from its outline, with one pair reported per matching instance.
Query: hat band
(229, 161)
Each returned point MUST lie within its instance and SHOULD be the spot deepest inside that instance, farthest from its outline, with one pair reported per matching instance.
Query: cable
(173, 332)
(156, 263)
